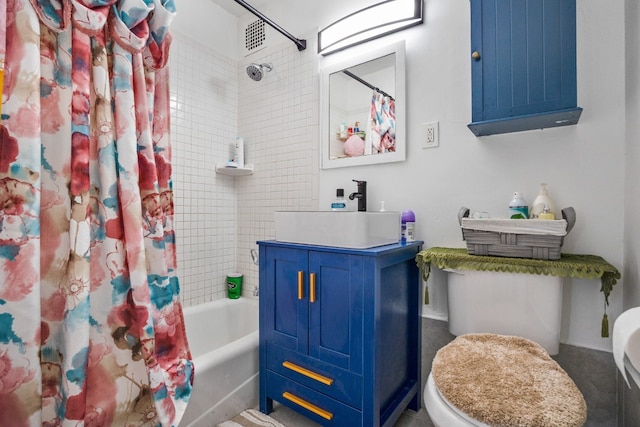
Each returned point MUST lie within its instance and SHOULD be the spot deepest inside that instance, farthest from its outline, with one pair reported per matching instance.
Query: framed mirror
(362, 108)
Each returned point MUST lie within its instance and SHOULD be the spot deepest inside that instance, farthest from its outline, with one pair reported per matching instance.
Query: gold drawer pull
(307, 373)
(311, 407)
(312, 287)
(300, 284)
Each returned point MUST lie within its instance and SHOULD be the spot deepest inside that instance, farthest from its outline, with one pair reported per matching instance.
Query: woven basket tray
(515, 245)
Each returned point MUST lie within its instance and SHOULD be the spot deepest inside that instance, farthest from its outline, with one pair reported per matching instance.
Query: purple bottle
(408, 226)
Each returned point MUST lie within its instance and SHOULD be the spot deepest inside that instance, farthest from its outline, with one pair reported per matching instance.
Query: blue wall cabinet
(523, 65)
(340, 332)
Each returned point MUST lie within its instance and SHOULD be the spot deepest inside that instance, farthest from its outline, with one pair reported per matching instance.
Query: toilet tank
(526, 305)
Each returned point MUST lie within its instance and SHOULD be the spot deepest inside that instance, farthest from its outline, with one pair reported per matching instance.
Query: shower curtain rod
(366, 83)
(302, 44)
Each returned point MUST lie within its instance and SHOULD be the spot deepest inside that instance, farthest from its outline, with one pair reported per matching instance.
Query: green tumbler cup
(234, 285)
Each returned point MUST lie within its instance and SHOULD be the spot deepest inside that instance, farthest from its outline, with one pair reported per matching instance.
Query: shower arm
(302, 44)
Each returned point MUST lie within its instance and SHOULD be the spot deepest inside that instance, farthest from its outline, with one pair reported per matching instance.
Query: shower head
(255, 71)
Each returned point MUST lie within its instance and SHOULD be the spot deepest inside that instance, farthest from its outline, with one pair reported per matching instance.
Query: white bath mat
(251, 418)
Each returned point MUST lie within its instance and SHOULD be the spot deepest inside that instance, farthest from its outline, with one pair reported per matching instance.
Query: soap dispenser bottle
(542, 200)
(339, 204)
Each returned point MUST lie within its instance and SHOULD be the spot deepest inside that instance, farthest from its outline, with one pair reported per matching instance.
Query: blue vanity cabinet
(340, 332)
(523, 65)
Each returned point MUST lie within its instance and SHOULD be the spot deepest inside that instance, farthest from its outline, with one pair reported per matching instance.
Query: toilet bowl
(443, 413)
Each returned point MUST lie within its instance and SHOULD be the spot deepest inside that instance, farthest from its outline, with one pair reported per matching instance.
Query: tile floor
(593, 371)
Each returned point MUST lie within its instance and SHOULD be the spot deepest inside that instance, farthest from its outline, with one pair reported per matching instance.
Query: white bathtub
(223, 336)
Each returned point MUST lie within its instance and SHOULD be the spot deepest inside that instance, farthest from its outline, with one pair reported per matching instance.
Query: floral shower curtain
(381, 126)
(91, 327)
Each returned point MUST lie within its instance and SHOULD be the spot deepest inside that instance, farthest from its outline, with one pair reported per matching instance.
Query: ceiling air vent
(255, 35)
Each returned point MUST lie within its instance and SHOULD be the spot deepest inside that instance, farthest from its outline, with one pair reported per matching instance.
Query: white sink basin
(356, 230)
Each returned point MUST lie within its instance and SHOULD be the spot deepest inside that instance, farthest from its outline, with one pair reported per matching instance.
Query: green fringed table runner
(569, 265)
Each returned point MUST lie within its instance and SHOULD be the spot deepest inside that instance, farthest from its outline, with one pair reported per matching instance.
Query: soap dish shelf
(246, 170)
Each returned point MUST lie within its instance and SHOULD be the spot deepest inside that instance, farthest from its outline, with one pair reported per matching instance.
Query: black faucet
(361, 195)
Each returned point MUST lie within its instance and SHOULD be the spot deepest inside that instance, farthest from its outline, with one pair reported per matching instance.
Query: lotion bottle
(542, 200)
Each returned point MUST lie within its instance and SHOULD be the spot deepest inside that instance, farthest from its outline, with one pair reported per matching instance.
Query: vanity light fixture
(369, 23)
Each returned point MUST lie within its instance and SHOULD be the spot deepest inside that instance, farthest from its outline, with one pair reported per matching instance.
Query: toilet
(443, 413)
(526, 305)
(492, 379)
(502, 304)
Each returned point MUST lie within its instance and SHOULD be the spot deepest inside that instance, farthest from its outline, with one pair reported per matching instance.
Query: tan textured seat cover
(507, 381)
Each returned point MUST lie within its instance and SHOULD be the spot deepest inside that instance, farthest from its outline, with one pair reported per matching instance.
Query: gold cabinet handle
(475, 55)
(300, 284)
(312, 287)
(307, 373)
(310, 406)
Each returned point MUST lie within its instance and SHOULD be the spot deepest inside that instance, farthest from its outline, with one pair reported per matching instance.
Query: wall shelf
(246, 170)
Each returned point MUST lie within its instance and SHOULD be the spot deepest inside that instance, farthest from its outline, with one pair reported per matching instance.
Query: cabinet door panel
(335, 318)
(498, 77)
(527, 57)
(287, 322)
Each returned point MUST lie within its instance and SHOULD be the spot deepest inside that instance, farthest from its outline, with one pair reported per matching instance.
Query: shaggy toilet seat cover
(507, 381)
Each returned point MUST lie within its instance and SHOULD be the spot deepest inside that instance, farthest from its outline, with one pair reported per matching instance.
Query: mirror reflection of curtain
(381, 128)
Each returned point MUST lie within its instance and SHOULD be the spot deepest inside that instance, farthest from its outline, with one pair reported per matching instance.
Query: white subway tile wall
(278, 118)
(219, 218)
(204, 111)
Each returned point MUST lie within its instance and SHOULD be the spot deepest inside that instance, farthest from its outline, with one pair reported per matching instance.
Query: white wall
(204, 111)
(278, 118)
(632, 178)
(584, 165)
(209, 24)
